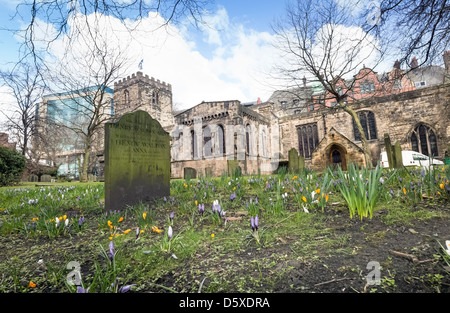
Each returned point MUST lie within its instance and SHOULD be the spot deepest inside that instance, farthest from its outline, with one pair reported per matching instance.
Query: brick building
(4, 142)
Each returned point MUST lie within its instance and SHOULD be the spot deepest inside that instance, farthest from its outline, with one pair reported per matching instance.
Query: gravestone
(208, 172)
(190, 172)
(301, 163)
(136, 161)
(389, 153)
(293, 161)
(232, 166)
(397, 155)
(33, 178)
(46, 178)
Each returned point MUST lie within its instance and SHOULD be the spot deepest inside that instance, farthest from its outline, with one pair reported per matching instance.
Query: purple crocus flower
(171, 216)
(125, 288)
(254, 222)
(392, 192)
(111, 250)
(81, 290)
(201, 208)
(216, 206)
(256, 200)
(80, 221)
(137, 233)
(233, 196)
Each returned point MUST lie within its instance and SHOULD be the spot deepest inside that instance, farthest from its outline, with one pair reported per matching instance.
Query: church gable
(334, 149)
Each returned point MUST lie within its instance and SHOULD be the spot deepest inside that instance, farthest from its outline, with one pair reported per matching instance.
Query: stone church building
(217, 137)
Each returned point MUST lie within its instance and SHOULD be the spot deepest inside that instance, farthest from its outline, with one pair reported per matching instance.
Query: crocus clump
(254, 221)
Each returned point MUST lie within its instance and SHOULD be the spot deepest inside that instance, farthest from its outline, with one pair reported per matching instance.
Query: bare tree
(60, 14)
(84, 67)
(320, 44)
(420, 28)
(27, 87)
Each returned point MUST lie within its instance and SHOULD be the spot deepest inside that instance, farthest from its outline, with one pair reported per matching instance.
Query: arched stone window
(263, 143)
(221, 138)
(367, 119)
(193, 145)
(126, 95)
(207, 143)
(247, 138)
(308, 139)
(423, 140)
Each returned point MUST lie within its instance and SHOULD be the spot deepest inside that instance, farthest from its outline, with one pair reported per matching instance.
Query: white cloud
(234, 66)
(233, 71)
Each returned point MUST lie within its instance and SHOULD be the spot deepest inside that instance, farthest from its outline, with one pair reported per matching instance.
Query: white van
(411, 158)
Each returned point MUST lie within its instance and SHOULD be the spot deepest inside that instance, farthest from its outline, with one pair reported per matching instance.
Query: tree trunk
(84, 177)
(87, 150)
(365, 146)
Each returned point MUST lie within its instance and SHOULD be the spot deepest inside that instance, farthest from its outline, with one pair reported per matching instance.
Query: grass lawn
(305, 240)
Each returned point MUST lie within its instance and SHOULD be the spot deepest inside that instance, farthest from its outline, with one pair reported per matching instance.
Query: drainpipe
(324, 124)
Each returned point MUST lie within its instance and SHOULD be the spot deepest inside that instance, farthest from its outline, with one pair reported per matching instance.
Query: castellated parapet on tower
(140, 92)
(139, 76)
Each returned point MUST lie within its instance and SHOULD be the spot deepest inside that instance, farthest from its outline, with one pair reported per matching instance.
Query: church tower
(140, 92)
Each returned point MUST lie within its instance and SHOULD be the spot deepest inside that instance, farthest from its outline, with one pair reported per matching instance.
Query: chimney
(446, 57)
(304, 81)
(258, 101)
(397, 64)
(414, 63)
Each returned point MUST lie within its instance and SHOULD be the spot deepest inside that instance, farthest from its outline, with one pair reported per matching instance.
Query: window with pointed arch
(126, 95)
(193, 145)
(247, 138)
(221, 138)
(207, 142)
(424, 140)
(308, 139)
(367, 120)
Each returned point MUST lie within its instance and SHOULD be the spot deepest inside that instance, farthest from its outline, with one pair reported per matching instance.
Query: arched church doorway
(337, 157)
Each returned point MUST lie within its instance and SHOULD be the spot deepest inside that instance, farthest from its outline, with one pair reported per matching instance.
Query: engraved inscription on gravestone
(137, 161)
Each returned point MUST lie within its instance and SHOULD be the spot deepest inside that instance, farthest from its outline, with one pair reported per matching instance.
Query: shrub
(12, 165)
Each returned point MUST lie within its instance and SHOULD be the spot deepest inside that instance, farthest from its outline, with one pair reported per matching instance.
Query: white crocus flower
(66, 222)
(170, 232)
(305, 209)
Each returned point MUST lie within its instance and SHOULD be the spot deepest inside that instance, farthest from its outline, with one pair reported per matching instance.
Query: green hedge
(12, 165)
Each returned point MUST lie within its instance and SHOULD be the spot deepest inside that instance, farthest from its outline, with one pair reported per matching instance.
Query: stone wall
(396, 115)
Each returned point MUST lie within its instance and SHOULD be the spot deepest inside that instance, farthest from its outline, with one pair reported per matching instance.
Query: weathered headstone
(397, 155)
(33, 178)
(46, 178)
(137, 160)
(388, 146)
(293, 161)
(208, 172)
(190, 172)
(232, 166)
(301, 163)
